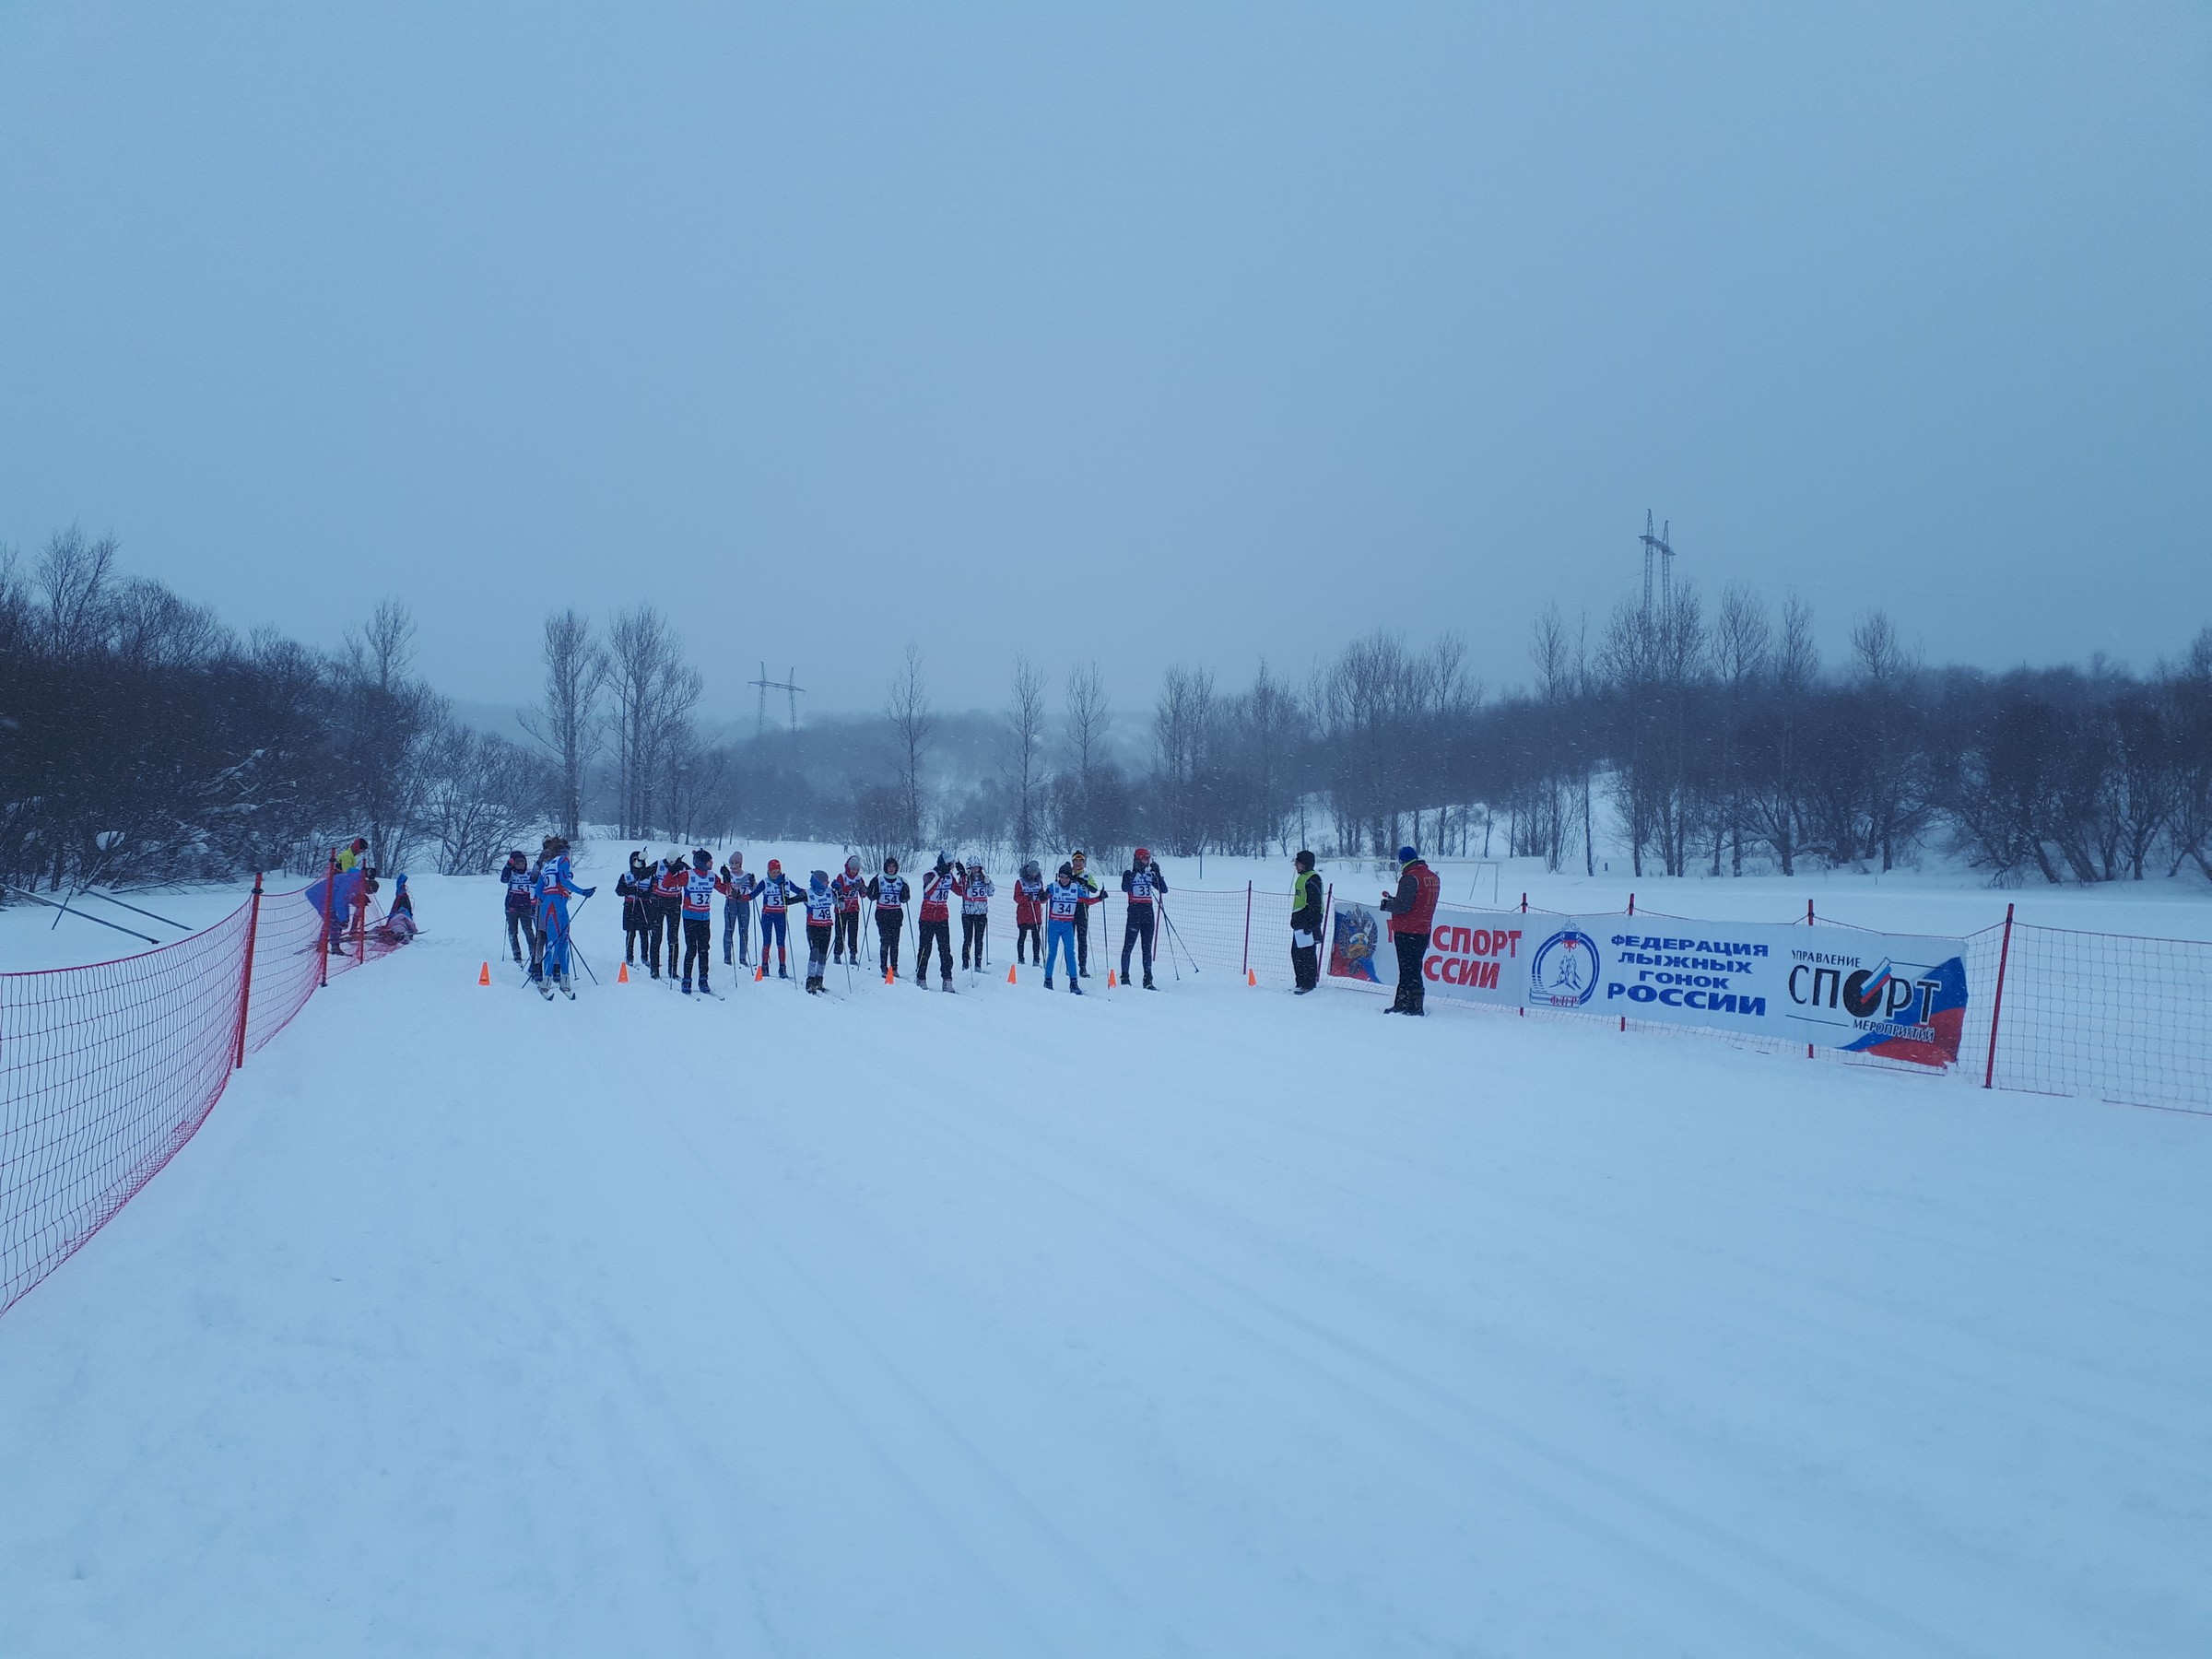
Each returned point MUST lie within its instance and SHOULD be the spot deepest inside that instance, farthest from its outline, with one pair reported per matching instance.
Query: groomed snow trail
(1212, 1322)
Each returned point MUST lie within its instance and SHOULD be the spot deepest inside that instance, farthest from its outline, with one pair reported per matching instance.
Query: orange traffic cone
(1110, 980)
(888, 977)
(1251, 978)
(622, 974)
(483, 975)
(1010, 976)
(760, 973)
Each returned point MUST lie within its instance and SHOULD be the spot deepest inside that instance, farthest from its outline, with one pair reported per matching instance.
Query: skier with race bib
(888, 891)
(664, 912)
(778, 893)
(556, 885)
(1064, 903)
(849, 890)
(939, 887)
(1028, 914)
(1144, 888)
(700, 883)
(821, 921)
(522, 908)
(737, 888)
(634, 888)
(1078, 865)
(976, 889)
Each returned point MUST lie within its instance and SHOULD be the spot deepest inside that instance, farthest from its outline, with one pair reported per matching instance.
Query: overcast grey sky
(1153, 334)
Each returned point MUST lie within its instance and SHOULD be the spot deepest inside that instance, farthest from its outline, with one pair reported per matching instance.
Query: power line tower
(788, 686)
(1656, 552)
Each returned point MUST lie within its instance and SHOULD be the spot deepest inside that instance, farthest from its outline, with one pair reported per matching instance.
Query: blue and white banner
(1900, 996)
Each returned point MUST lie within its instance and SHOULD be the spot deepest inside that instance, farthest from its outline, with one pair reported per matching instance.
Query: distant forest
(141, 740)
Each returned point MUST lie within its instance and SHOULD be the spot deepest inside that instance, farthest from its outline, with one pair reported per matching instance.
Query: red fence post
(330, 902)
(1808, 912)
(1632, 911)
(1320, 946)
(1524, 904)
(245, 980)
(1996, 1003)
(1248, 929)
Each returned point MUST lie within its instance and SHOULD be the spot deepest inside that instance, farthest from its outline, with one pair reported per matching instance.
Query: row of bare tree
(141, 740)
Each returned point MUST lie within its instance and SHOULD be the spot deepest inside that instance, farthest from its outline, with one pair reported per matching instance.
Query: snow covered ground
(1214, 1322)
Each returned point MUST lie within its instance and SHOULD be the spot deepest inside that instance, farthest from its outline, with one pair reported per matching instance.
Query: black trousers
(1030, 933)
(818, 947)
(846, 938)
(972, 929)
(1412, 947)
(1083, 940)
(633, 929)
(522, 936)
(1305, 965)
(936, 931)
(888, 924)
(1139, 927)
(698, 945)
(662, 918)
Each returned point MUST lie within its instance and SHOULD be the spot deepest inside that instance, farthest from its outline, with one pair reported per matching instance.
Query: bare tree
(1087, 731)
(906, 706)
(482, 794)
(388, 725)
(1774, 799)
(1183, 742)
(654, 691)
(1741, 639)
(74, 573)
(566, 722)
(1024, 765)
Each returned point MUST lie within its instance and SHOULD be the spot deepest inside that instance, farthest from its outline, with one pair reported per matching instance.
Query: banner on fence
(1897, 995)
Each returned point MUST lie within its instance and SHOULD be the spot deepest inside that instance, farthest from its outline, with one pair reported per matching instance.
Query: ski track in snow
(1204, 1323)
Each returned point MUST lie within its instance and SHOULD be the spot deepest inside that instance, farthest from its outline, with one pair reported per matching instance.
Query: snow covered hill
(1212, 1322)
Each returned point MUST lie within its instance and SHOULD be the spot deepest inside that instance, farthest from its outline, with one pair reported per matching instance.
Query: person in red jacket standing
(1412, 911)
(1028, 914)
(939, 888)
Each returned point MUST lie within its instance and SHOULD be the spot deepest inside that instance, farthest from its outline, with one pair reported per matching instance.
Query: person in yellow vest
(1305, 924)
(351, 854)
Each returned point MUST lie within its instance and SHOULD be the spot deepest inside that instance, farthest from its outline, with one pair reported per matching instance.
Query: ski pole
(568, 938)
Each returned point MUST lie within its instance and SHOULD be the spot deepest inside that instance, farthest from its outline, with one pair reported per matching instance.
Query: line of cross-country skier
(668, 916)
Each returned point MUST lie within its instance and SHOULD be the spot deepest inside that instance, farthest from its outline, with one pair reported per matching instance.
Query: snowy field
(1215, 1323)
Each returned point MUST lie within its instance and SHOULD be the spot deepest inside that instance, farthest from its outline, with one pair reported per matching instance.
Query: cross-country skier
(665, 909)
(1145, 887)
(976, 889)
(634, 887)
(939, 887)
(849, 890)
(1064, 903)
(1028, 914)
(778, 894)
(522, 908)
(1412, 909)
(1305, 924)
(1079, 865)
(699, 917)
(888, 891)
(821, 921)
(556, 886)
(738, 886)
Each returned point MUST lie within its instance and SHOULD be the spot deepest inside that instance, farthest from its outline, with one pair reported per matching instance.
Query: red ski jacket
(1413, 910)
